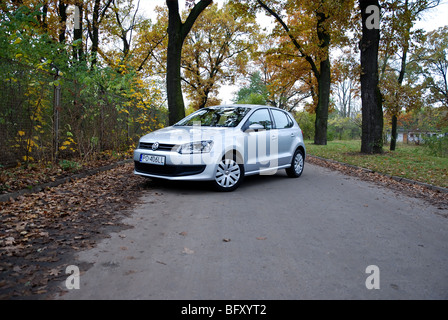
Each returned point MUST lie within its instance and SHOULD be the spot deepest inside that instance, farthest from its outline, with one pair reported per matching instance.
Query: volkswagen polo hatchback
(223, 144)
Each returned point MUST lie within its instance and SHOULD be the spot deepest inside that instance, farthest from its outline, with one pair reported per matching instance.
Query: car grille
(162, 147)
(169, 170)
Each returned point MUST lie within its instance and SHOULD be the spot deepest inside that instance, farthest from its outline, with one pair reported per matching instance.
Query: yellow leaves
(30, 144)
(66, 145)
(27, 144)
(122, 68)
(41, 67)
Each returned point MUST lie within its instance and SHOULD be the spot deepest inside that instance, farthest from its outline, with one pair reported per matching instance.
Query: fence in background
(46, 117)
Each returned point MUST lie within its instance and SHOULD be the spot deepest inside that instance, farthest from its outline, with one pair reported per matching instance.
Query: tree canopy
(116, 69)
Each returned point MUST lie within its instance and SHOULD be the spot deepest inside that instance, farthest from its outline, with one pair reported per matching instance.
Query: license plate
(147, 158)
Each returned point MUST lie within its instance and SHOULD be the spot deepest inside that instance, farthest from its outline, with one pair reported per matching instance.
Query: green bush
(68, 165)
(343, 128)
(306, 122)
(437, 146)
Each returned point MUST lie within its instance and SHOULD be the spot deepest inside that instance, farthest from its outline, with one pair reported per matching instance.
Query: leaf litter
(41, 232)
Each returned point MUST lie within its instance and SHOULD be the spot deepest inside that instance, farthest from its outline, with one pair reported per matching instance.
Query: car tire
(297, 164)
(229, 174)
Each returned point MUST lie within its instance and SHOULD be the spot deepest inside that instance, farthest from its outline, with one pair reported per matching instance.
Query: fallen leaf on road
(9, 241)
(188, 251)
(130, 272)
(261, 238)
(54, 272)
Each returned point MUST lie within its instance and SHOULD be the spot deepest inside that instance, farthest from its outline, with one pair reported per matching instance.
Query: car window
(215, 117)
(261, 117)
(281, 119)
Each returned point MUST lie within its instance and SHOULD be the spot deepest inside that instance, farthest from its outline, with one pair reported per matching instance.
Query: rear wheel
(228, 175)
(297, 165)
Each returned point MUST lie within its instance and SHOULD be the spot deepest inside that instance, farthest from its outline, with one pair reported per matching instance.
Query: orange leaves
(215, 51)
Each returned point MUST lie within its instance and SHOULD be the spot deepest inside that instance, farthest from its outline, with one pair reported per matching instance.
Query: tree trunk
(95, 32)
(77, 33)
(62, 11)
(394, 134)
(324, 83)
(176, 104)
(177, 32)
(393, 141)
(372, 110)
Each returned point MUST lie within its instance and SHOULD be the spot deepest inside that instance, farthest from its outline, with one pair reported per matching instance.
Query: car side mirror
(255, 127)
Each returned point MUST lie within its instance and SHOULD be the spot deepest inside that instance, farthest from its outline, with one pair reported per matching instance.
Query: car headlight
(195, 147)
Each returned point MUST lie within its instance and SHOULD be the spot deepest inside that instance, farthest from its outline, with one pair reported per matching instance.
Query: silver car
(222, 144)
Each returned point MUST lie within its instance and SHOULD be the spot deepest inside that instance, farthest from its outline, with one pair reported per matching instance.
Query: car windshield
(215, 117)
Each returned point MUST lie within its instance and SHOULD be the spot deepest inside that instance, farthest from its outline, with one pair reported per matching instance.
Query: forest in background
(83, 78)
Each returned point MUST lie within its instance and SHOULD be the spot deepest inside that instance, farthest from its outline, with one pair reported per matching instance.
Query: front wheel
(228, 175)
(297, 165)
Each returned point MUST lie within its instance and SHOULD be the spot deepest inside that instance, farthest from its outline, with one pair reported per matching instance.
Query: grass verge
(407, 161)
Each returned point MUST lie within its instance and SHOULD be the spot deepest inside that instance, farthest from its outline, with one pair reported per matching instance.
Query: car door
(285, 136)
(258, 142)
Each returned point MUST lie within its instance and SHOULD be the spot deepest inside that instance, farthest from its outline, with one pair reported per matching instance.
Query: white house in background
(416, 137)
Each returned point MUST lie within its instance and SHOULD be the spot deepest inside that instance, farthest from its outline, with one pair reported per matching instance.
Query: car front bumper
(191, 167)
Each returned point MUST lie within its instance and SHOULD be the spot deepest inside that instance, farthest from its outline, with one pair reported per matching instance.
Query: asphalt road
(274, 238)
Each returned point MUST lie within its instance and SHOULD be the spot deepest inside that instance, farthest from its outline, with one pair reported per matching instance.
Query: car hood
(179, 134)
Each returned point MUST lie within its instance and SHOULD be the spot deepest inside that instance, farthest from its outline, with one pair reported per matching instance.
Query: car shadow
(206, 186)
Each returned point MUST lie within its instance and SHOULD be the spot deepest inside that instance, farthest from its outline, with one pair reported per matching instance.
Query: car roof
(250, 106)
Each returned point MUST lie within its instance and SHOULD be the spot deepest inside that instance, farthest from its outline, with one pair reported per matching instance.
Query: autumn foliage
(80, 78)
(65, 97)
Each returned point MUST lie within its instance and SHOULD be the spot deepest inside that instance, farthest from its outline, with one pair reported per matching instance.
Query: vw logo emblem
(155, 146)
